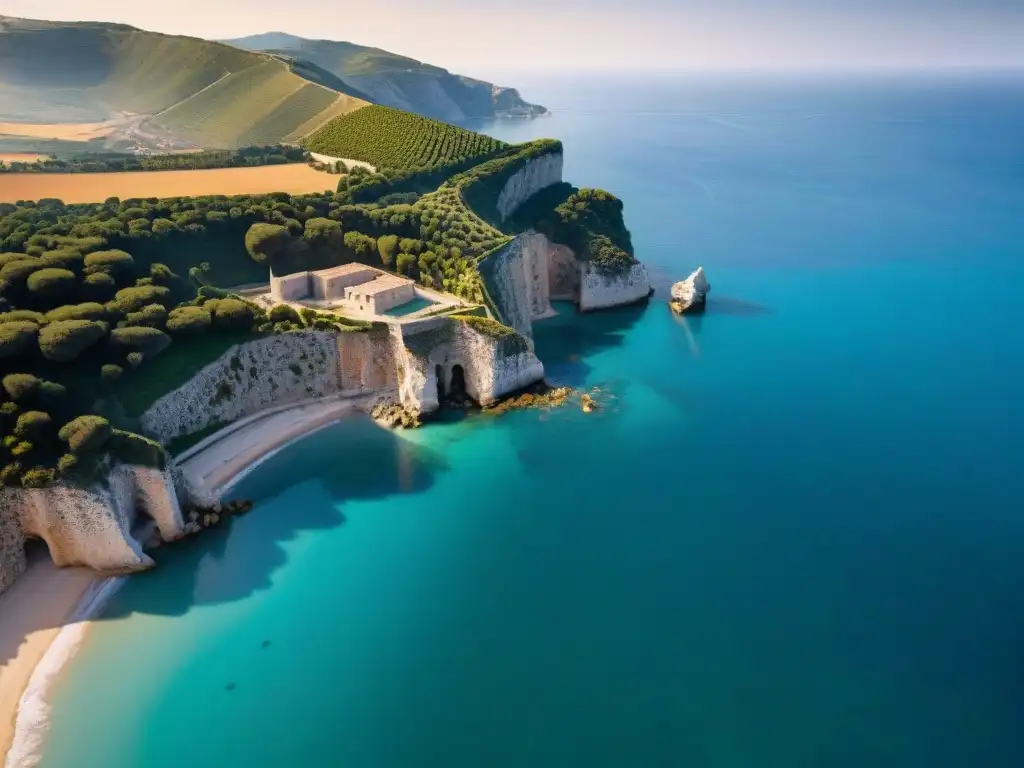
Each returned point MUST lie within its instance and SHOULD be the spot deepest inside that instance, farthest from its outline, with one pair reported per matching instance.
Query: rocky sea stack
(690, 295)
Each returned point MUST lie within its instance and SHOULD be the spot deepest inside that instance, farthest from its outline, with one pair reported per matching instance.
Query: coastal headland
(154, 349)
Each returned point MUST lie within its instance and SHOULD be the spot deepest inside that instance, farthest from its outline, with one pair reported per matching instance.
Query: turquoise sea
(794, 538)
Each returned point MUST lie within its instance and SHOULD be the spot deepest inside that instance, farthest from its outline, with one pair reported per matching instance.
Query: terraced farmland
(394, 140)
(259, 105)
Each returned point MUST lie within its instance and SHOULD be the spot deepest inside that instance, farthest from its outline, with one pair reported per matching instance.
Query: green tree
(65, 340)
(85, 434)
(52, 283)
(267, 242)
(387, 245)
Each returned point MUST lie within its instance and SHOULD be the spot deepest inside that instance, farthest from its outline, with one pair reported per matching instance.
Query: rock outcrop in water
(93, 526)
(690, 295)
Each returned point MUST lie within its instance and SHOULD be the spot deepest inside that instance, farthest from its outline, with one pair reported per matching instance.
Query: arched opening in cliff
(457, 386)
(36, 550)
(439, 376)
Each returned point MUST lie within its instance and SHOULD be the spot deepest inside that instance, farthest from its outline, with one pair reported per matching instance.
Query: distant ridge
(397, 81)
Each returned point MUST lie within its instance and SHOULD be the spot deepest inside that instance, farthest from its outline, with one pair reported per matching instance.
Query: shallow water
(791, 538)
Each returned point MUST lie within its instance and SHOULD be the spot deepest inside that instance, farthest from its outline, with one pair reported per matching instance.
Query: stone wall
(537, 174)
(367, 361)
(601, 291)
(290, 287)
(246, 379)
(490, 370)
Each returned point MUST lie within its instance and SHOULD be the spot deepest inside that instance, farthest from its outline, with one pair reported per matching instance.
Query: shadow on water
(303, 488)
(726, 305)
(563, 342)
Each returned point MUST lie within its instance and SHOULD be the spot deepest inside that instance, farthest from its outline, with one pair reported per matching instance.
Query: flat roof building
(362, 287)
(381, 294)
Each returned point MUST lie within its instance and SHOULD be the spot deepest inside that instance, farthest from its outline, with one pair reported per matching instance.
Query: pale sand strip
(45, 616)
(32, 613)
(227, 457)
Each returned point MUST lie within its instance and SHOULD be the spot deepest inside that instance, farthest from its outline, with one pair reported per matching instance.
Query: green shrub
(510, 340)
(231, 314)
(65, 340)
(152, 316)
(282, 312)
(387, 245)
(16, 337)
(90, 310)
(23, 314)
(149, 342)
(85, 434)
(65, 259)
(22, 447)
(110, 373)
(51, 393)
(34, 426)
(14, 274)
(323, 233)
(161, 274)
(38, 477)
(11, 473)
(52, 283)
(131, 448)
(116, 263)
(67, 462)
(135, 298)
(98, 286)
(266, 242)
(134, 359)
(188, 320)
(21, 387)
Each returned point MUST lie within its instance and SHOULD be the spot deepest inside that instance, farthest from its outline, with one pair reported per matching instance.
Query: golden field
(97, 187)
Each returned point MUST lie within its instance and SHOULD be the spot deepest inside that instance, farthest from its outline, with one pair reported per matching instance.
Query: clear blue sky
(479, 38)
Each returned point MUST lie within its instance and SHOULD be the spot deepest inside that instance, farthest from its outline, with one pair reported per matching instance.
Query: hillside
(396, 81)
(391, 139)
(206, 93)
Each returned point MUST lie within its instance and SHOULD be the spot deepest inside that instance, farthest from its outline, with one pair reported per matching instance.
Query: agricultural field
(259, 105)
(393, 140)
(21, 157)
(296, 178)
(60, 131)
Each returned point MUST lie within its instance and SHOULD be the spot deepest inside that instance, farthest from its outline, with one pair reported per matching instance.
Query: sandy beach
(32, 613)
(44, 616)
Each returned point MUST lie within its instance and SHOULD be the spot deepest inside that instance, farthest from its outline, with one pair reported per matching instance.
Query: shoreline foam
(33, 720)
(240, 450)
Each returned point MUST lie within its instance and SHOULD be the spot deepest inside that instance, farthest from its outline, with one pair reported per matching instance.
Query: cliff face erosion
(531, 271)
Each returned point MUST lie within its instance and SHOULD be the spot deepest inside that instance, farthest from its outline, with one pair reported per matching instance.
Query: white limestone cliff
(690, 295)
(92, 526)
(531, 271)
(538, 173)
(599, 290)
(491, 367)
(272, 371)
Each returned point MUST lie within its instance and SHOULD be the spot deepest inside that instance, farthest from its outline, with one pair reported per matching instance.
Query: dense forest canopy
(106, 306)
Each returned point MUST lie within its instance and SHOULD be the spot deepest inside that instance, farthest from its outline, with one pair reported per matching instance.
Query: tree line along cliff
(106, 307)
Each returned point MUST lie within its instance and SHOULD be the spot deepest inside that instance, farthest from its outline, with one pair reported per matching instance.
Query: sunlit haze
(532, 35)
